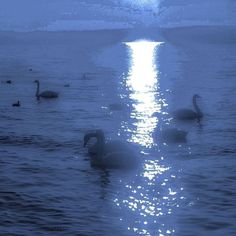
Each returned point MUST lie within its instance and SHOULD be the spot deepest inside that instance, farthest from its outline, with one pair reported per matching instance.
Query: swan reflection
(142, 84)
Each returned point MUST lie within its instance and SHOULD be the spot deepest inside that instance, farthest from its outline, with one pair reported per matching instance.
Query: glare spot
(171, 192)
(152, 169)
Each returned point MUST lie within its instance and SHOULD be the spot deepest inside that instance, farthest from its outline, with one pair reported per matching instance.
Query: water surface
(47, 184)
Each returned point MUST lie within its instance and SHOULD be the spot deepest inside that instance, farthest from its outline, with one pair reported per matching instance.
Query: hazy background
(28, 15)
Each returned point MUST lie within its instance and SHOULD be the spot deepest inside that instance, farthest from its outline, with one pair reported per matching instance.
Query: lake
(127, 84)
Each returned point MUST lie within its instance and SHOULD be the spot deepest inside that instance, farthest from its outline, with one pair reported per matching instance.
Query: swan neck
(37, 90)
(196, 107)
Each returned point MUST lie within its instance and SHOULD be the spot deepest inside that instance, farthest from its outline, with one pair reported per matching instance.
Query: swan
(172, 135)
(188, 114)
(44, 94)
(113, 154)
(17, 104)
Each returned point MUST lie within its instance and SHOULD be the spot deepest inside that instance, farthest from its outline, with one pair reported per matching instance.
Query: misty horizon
(31, 15)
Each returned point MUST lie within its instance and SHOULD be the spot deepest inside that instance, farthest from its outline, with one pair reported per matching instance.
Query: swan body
(44, 94)
(173, 135)
(17, 104)
(189, 114)
(112, 155)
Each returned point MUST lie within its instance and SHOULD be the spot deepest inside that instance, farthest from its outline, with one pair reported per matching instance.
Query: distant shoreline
(85, 39)
(201, 27)
(65, 31)
(194, 27)
(211, 34)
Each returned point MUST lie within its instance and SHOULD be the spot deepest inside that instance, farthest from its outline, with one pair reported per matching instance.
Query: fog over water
(28, 15)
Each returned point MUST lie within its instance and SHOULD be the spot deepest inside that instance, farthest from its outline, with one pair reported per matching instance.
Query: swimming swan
(17, 104)
(115, 154)
(188, 114)
(45, 94)
(172, 135)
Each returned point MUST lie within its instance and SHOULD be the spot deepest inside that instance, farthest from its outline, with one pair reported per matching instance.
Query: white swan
(115, 154)
(172, 135)
(188, 114)
(45, 94)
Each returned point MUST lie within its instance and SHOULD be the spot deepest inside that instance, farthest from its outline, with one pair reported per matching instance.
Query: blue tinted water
(47, 185)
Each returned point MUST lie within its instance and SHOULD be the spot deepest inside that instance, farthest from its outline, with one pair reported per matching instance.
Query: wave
(36, 140)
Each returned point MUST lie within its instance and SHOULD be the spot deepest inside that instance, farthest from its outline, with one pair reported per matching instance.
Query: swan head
(36, 81)
(99, 134)
(196, 96)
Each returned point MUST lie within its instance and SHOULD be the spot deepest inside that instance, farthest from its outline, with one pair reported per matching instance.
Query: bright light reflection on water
(142, 82)
(148, 199)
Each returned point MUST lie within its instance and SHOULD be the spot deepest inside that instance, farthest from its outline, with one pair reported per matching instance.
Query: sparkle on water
(149, 198)
(142, 83)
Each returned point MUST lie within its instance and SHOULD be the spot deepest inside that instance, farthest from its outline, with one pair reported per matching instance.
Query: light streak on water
(142, 84)
(149, 198)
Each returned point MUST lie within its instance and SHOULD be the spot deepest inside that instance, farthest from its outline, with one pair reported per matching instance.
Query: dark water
(47, 186)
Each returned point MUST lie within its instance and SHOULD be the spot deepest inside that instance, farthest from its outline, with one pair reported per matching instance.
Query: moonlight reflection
(142, 83)
(148, 199)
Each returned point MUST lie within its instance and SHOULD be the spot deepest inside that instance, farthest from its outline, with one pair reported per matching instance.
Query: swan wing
(119, 160)
(118, 146)
(114, 155)
(119, 154)
(184, 114)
